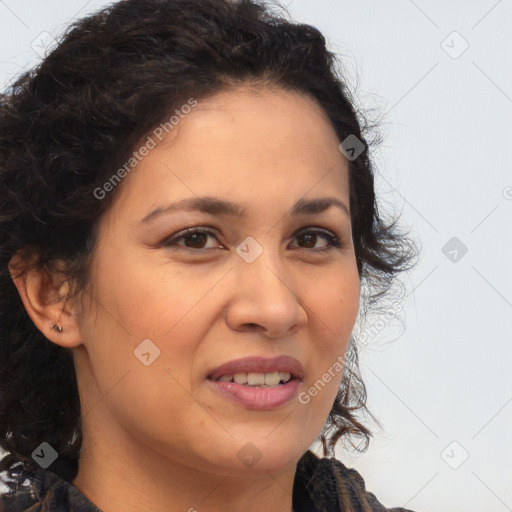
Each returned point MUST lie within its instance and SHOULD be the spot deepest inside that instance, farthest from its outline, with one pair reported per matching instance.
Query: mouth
(258, 380)
(259, 371)
(258, 383)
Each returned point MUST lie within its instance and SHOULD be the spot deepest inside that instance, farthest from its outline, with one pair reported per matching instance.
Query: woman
(187, 223)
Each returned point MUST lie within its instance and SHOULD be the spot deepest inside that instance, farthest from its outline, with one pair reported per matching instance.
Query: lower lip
(258, 398)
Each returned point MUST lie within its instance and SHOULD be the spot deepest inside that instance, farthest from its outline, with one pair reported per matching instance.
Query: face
(264, 287)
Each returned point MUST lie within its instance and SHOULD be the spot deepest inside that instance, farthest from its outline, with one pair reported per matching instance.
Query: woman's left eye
(311, 235)
(195, 238)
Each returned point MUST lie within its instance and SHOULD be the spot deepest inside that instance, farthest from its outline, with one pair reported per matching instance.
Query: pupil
(309, 237)
(195, 236)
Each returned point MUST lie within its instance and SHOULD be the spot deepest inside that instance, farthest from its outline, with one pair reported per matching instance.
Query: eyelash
(333, 240)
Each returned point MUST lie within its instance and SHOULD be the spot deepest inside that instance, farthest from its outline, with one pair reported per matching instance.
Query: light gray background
(446, 165)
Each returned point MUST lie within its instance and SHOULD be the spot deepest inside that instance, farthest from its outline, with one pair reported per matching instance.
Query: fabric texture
(321, 485)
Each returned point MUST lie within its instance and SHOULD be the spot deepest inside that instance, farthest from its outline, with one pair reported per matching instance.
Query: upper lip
(259, 365)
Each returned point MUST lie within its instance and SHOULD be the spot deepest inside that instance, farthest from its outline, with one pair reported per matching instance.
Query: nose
(265, 298)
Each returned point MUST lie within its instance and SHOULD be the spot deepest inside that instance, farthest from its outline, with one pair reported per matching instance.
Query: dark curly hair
(69, 122)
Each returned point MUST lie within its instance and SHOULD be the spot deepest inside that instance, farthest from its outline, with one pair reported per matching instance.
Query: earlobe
(46, 301)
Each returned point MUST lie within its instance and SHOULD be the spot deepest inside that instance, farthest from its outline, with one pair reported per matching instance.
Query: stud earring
(57, 328)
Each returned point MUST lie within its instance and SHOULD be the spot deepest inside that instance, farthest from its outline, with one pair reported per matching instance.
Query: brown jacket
(321, 485)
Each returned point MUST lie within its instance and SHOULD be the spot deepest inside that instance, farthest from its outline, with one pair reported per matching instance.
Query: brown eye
(310, 238)
(194, 238)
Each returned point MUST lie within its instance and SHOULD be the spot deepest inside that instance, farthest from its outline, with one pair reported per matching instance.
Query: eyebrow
(215, 206)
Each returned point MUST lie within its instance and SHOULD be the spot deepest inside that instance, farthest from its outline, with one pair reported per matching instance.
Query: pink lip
(259, 365)
(254, 397)
(258, 398)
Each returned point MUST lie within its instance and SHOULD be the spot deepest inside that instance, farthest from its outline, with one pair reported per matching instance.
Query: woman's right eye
(194, 238)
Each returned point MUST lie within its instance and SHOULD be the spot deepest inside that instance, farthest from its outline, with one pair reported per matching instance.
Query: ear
(45, 297)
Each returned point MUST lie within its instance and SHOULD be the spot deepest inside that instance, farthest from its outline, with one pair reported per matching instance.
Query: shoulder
(25, 487)
(327, 485)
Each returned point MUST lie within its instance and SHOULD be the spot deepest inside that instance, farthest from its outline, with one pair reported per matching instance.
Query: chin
(259, 455)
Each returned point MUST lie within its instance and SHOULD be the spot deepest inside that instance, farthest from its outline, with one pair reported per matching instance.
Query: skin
(159, 435)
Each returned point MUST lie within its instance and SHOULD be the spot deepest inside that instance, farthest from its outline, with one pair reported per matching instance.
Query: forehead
(239, 144)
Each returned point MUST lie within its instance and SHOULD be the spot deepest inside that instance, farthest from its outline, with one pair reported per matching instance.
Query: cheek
(133, 302)
(174, 308)
(152, 299)
(333, 304)
(334, 308)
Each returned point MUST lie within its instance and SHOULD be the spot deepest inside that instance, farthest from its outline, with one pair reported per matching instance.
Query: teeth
(240, 378)
(271, 379)
(255, 379)
(285, 376)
